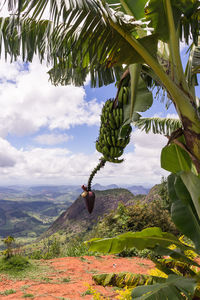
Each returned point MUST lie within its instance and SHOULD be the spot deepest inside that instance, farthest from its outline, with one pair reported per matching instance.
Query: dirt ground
(69, 277)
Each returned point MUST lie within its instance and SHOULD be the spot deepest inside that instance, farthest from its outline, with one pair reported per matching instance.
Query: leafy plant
(76, 249)
(8, 242)
(51, 248)
(124, 279)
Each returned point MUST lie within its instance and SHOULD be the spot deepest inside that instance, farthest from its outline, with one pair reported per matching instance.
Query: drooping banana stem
(95, 170)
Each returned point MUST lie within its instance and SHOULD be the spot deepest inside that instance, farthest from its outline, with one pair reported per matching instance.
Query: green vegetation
(135, 217)
(8, 244)
(67, 279)
(87, 292)
(26, 221)
(20, 268)
(8, 292)
(28, 296)
(14, 264)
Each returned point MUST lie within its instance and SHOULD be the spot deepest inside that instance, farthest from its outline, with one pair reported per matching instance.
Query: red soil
(80, 271)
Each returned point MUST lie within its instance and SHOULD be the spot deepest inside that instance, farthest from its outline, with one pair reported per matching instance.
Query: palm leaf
(84, 41)
(163, 126)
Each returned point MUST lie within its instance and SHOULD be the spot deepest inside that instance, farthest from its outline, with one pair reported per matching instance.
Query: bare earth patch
(69, 278)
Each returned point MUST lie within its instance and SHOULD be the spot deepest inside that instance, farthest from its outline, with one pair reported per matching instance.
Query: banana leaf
(175, 287)
(182, 205)
(125, 279)
(148, 238)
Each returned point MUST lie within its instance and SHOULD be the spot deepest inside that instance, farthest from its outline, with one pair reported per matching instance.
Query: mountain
(57, 194)
(138, 190)
(76, 218)
(135, 189)
(100, 187)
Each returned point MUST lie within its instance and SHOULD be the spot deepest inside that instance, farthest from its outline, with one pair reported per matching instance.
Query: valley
(26, 213)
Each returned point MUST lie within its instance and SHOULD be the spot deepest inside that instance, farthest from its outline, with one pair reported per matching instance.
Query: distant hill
(138, 190)
(135, 189)
(100, 187)
(61, 193)
(76, 218)
(27, 219)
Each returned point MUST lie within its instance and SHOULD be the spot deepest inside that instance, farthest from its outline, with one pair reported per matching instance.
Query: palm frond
(164, 126)
(83, 44)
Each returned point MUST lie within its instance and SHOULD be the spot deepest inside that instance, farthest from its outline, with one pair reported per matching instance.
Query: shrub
(146, 215)
(50, 249)
(134, 252)
(15, 263)
(8, 242)
(76, 248)
(134, 218)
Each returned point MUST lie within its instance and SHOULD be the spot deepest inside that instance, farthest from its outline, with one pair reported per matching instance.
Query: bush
(76, 248)
(134, 252)
(51, 249)
(146, 215)
(134, 218)
(14, 263)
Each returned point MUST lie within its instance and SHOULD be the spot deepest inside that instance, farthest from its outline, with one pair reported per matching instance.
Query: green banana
(111, 121)
(109, 140)
(105, 150)
(125, 95)
(111, 151)
(120, 98)
(113, 140)
(112, 124)
(121, 116)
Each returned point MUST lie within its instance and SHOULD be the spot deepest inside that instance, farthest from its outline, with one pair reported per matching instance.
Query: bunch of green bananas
(112, 118)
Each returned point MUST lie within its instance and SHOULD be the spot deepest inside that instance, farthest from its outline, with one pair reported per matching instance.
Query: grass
(8, 292)
(66, 279)
(34, 270)
(92, 271)
(85, 260)
(46, 279)
(88, 292)
(28, 296)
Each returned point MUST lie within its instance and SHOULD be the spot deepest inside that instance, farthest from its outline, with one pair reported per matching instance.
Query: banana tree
(136, 43)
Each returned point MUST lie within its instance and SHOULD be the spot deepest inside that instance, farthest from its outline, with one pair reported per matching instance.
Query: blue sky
(48, 133)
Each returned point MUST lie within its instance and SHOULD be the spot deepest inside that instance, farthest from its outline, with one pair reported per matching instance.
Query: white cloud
(8, 155)
(172, 116)
(60, 166)
(33, 102)
(52, 139)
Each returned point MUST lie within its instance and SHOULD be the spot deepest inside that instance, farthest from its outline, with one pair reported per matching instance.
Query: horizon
(74, 185)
